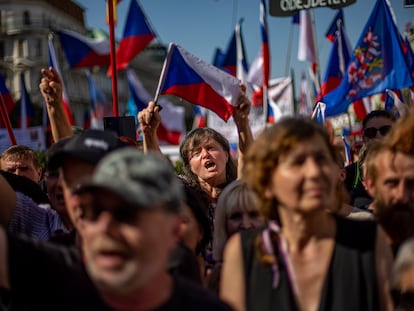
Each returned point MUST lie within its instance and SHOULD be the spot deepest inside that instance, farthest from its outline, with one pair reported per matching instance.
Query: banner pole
(113, 58)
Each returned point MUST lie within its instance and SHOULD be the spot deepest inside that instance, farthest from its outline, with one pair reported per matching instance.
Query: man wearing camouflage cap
(130, 223)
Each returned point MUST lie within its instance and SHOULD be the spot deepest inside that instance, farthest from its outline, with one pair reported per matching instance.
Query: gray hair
(403, 261)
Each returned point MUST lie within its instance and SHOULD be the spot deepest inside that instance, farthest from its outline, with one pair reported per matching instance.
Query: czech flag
(81, 51)
(137, 35)
(333, 27)
(172, 127)
(198, 82)
(6, 96)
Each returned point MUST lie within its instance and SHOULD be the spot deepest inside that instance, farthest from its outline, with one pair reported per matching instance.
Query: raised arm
(8, 201)
(51, 89)
(149, 120)
(241, 118)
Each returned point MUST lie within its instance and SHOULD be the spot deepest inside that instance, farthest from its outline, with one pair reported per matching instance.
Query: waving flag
(259, 71)
(333, 27)
(394, 104)
(265, 44)
(200, 116)
(137, 35)
(81, 51)
(233, 60)
(26, 107)
(374, 66)
(337, 63)
(347, 150)
(198, 82)
(319, 113)
(307, 45)
(100, 107)
(54, 63)
(172, 127)
(6, 96)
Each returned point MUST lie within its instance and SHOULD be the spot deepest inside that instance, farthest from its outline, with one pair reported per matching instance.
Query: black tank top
(350, 284)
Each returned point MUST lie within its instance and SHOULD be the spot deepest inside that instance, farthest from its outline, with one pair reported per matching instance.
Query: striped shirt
(36, 221)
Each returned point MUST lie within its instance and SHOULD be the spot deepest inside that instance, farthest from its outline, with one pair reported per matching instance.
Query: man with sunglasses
(375, 125)
(130, 220)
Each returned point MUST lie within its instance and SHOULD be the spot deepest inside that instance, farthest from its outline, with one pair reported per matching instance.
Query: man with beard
(390, 181)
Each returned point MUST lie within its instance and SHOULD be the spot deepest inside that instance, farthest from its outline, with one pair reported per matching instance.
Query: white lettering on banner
(295, 5)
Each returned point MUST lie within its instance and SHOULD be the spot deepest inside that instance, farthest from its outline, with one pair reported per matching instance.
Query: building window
(26, 18)
(2, 50)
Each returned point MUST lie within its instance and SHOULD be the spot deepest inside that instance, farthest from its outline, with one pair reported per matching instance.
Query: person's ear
(369, 185)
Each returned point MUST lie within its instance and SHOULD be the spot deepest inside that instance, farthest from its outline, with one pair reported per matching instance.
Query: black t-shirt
(44, 276)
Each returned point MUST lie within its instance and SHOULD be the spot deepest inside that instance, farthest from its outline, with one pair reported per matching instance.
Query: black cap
(89, 145)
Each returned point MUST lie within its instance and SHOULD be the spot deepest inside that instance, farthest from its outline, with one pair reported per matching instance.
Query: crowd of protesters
(108, 224)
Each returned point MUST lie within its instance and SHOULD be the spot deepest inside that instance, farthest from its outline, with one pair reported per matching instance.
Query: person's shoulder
(359, 233)
(195, 297)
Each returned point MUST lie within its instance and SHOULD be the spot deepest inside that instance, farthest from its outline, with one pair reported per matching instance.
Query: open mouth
(209, 164)
(110, 259)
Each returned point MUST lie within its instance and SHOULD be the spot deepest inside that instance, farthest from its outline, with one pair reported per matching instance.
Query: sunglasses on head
(371, 132)
(402, 300)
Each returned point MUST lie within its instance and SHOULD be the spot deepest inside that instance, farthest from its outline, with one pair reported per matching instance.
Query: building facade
(25, 26)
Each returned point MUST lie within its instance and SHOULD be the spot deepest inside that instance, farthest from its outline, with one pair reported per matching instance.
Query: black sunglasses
(371, 132)
(402, 300)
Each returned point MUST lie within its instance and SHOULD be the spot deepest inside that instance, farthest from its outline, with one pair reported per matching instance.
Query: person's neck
(212, 189)
(149, 297)
(301, 230)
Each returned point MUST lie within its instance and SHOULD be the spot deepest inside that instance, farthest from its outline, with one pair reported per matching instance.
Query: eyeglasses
(121, 214)
(371, 132)
(402, 300)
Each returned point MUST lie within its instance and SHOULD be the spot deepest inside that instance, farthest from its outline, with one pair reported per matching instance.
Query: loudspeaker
(123, 126)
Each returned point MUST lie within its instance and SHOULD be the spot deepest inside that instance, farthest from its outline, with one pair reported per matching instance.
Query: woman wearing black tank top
(307, 258)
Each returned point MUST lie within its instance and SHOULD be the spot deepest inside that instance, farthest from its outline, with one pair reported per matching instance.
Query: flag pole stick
(6, 121)
(113, 58)
(289, 48)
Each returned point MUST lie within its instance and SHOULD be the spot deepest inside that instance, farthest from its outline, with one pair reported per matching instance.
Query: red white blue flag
(333, 27)
(81, 51)
(172, 128)
(374, 66)
(137, 35)
(6, 96)
(100, 107)
(337, 63)
(198, 82)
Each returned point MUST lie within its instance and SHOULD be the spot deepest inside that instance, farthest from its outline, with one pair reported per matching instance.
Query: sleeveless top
(350, 284)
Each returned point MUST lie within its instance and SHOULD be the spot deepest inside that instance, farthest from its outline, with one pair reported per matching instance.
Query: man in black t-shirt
(129, 225)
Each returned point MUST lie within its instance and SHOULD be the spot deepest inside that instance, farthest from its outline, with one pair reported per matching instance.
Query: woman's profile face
(305, 179)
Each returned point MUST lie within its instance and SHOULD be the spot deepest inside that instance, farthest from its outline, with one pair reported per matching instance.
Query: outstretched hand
(51, 87)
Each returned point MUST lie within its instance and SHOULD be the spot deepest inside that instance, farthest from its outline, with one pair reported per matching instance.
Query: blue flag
(333, 27)
(374, 66)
